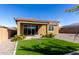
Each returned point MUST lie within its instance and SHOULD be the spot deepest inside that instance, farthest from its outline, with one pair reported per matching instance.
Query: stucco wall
(3, 34)
(55, 30)
(42, 30)
(18, 28)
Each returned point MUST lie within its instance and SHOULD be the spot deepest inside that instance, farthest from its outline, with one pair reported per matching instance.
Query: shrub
(43, 36)
(18, 37)
(49, 35)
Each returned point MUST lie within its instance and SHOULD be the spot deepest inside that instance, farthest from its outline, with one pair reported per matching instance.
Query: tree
(74, 9)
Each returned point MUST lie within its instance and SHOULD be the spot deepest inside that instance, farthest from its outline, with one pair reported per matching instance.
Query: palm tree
(74, 9)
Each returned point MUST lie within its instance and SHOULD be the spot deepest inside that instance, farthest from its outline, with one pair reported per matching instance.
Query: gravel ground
(73, 53)
(68, 37)
(7, 48)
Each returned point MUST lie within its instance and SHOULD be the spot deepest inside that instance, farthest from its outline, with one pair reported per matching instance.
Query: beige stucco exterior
(3, 34)
(55, 31)
(6, 33)
(42, 30)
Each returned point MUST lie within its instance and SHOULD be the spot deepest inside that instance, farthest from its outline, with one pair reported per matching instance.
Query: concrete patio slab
(33, 36)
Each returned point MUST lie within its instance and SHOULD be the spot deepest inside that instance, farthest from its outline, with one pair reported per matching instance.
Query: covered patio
(27, 29)
(30, 26)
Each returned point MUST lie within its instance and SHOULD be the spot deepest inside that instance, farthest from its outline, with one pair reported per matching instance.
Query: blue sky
(38, 11)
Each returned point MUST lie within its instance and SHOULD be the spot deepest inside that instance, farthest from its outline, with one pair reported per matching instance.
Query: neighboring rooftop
(10, 28)
(34, 20)
(71, 29)
(73, 25)
(3, 26)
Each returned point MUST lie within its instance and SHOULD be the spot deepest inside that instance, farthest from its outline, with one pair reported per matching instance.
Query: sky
(38, 11)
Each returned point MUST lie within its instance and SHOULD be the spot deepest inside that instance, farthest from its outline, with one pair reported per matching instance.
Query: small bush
(43, 36)
(48, 35)
(18, 37)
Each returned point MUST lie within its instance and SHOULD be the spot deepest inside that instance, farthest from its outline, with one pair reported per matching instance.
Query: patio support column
(46, 29)
(18, 28)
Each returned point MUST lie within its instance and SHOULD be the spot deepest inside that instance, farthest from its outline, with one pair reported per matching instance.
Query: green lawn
(46, 46)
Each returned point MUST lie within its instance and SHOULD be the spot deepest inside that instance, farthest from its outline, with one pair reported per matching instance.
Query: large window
(51, 27)
(30, 29)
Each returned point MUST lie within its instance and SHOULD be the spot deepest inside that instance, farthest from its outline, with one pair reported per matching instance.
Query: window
(51, 28)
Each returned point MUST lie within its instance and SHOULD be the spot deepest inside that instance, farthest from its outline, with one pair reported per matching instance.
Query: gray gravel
(7, 48)
(68, 37)
(73, 53)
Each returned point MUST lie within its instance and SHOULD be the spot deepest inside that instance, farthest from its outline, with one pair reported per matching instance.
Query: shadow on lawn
(50, 49)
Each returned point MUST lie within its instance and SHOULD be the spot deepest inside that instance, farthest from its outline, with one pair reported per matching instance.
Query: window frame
(51, 27)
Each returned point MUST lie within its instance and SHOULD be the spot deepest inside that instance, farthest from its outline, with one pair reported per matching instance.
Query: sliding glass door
(30, 29)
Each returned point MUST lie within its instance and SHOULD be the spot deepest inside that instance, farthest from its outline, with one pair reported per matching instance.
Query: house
(6, 33)
(30, 26)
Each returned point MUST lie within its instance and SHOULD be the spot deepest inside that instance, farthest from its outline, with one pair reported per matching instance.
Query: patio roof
(34, 20)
